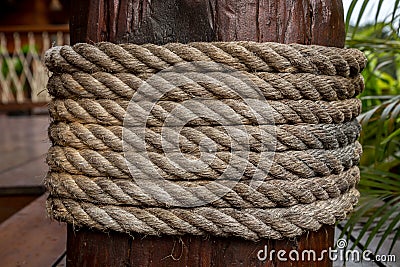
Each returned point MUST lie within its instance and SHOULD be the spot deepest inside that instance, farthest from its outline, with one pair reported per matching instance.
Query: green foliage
(391, 21)
(14, 63)
(379, 210)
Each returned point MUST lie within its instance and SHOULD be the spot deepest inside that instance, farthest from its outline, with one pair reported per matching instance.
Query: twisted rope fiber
(114, 112)
(243, 56)
(261, 138)
(289, 165)
(297, 172)
(267, 194)
(251, 223)
(273, 86)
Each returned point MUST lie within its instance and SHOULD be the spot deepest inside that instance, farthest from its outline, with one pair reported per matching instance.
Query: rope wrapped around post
(255, 140)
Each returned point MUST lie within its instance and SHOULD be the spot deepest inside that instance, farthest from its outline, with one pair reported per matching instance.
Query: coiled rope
(125, 163)
(288, 137)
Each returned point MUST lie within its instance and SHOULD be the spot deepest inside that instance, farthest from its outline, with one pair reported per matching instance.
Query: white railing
(23, 76)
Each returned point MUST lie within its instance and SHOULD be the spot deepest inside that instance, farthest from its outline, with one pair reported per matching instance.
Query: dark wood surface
(30, 238)
(25, 105)
(24, 144)
(28, 174)
(35, 28)
(11, 204)
(144, 21)
(27, 236)
(89, 248)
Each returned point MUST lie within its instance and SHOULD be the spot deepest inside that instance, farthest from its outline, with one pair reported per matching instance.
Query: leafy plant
(12, 63)
(378, 214)
(16, 61)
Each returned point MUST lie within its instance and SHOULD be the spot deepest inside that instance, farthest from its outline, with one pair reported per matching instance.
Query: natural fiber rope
(304, 155)
(270, 193)
(252, 223)
(243, 56)
(274, 86)
(289, 165)
(288, 137)
(114, 112)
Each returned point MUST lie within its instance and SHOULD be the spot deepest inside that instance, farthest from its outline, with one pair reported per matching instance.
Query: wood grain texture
(23, 140)
(162, 21)
(11, 204)
(29, 174)
(30, 238)
(89, 248)
(143, 21)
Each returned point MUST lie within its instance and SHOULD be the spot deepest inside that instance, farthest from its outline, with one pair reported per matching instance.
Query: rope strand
(260, 138)
(252, 223)
(290, 165)
(243, 56)
(239, 194)
(118, 112)
(273, 86)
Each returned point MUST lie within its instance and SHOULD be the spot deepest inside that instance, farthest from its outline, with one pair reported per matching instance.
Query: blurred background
(373, 27)
(27, 29)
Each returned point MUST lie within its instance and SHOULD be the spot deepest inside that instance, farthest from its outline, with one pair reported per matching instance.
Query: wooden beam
(90, 248)
(144, 21)
(30, 238)
(35, 28)
(22, 106)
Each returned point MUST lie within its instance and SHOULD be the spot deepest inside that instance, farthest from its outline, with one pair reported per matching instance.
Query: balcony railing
(23, 76)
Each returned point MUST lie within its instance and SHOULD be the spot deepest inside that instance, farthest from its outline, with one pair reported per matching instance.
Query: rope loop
(246, 139)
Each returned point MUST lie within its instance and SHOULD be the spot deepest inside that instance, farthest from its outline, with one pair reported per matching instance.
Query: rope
(252, 223)
(268, 194)
(243, 56)
(255, 140)
(282, 138)
(114, 112)
(285, 165)
(274, 86)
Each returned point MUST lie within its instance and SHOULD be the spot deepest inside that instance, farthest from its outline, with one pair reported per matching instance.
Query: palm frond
(392, 20)
(360, 15)
(377, 217)
(379, 209)
(350, 13)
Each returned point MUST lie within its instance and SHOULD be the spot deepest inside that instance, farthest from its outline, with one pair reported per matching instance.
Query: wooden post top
(160, 22)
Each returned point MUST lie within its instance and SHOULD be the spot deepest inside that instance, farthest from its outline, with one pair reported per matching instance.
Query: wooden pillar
(162, 21)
